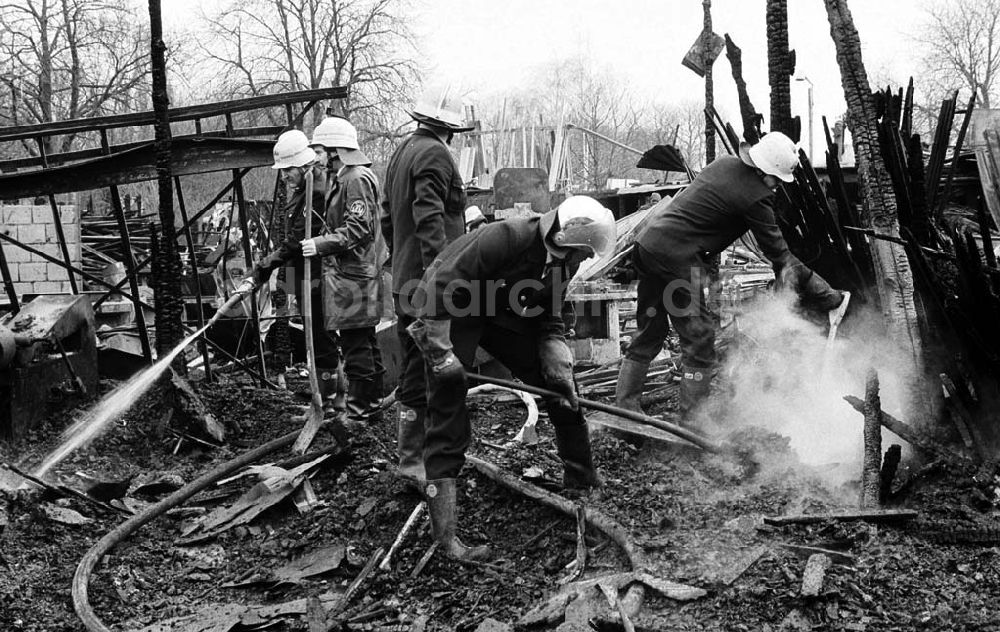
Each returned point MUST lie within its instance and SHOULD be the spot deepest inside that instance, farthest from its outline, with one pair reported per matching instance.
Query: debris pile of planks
(947, 204)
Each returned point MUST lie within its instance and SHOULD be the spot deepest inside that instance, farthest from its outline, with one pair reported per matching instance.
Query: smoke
(774, 378)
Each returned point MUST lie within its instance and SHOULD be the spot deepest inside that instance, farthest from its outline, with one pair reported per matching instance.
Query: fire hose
(85, 569)
(81, 579)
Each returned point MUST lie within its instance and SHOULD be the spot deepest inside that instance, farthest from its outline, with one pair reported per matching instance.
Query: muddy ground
(697, 517)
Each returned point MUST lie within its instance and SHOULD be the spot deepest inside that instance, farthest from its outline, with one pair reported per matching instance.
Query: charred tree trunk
(706, 35)
(871, 471)
(169, 301)
(894, 281)
(751, 119)
(780, 68)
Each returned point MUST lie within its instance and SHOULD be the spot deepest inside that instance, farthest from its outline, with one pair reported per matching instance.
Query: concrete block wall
(35, 227)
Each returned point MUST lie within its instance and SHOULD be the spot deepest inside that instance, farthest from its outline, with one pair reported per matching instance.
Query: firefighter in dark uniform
(294, 157)
(352, 250)
(672, 252)
(423, 211)
(502, 287)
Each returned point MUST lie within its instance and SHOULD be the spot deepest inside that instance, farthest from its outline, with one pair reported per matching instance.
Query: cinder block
(15, 271)
(33, 272)
(47, 287)
(15, 254)
(71, 232)
(31, 233)
(55, 272)
(68, 214)
(41, 215)
(16, 215)
(51, 249)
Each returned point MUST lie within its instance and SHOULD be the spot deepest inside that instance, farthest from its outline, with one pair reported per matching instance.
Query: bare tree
(64, 59)
(962, 43)
(268, 46)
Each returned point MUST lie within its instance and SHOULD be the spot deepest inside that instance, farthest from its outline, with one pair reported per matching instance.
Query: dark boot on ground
(363, 400)
(410, 444)
(631, 379)
(442, 504)
(328, 389)
(573, 446)
(695, 384)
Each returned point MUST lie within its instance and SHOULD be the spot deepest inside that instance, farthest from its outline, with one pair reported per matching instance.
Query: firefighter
(294, 158)
(352, 251)
(672, 253)
(502, 287)
(422, 212)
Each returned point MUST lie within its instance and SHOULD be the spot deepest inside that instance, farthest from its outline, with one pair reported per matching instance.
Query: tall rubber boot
(695, 384)
(410, 443)
(363, 400)
(631, 379)
(573, 446)
(442, 504)
(339, 402)
(328, 389)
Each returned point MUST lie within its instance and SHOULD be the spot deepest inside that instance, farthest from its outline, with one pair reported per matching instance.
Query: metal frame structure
(233, 149)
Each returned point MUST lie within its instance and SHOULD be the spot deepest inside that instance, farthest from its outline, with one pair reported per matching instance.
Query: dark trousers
(362, 358)
(412, 389)
(449, 432)
(666, 296)
(324, 342)
(675, 295)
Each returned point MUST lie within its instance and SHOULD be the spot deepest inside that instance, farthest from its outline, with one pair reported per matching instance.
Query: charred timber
(751, 118)
(169, 299)
(780, 68)
(872, 466)
(894, 282)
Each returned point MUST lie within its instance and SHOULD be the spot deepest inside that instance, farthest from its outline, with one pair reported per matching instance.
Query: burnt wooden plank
(188, 113)
(9, 166)
(188, 157)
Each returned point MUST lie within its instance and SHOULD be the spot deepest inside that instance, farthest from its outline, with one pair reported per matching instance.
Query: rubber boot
(442, 504)
(328, 389)
(695, 384)
(363, 400)
(631, 379)
(410, 443)
(339, 403)
(573, 446)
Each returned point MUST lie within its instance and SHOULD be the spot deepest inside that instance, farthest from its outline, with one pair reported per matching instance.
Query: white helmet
(442, 106)
(775, 155)
(580, 222)
(292, 150)
(335, 131)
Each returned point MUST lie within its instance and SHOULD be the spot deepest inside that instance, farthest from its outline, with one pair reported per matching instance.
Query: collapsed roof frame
(235, 149)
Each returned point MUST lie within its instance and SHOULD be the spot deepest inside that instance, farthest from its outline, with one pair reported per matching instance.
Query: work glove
(247, 286)
(308, 247)
(433, 338)
(557, 370)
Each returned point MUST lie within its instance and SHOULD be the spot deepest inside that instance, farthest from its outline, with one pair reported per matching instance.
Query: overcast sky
(491, 45)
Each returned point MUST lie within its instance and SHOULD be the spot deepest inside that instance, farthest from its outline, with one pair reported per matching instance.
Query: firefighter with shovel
(502, 287)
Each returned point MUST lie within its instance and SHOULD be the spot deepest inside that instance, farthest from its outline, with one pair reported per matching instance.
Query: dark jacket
(289, 251)
(499, 271)
(353, 250)
(423, 209)
(727, 199)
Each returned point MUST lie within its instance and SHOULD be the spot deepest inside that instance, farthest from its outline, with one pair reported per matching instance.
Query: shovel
(313, 414)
